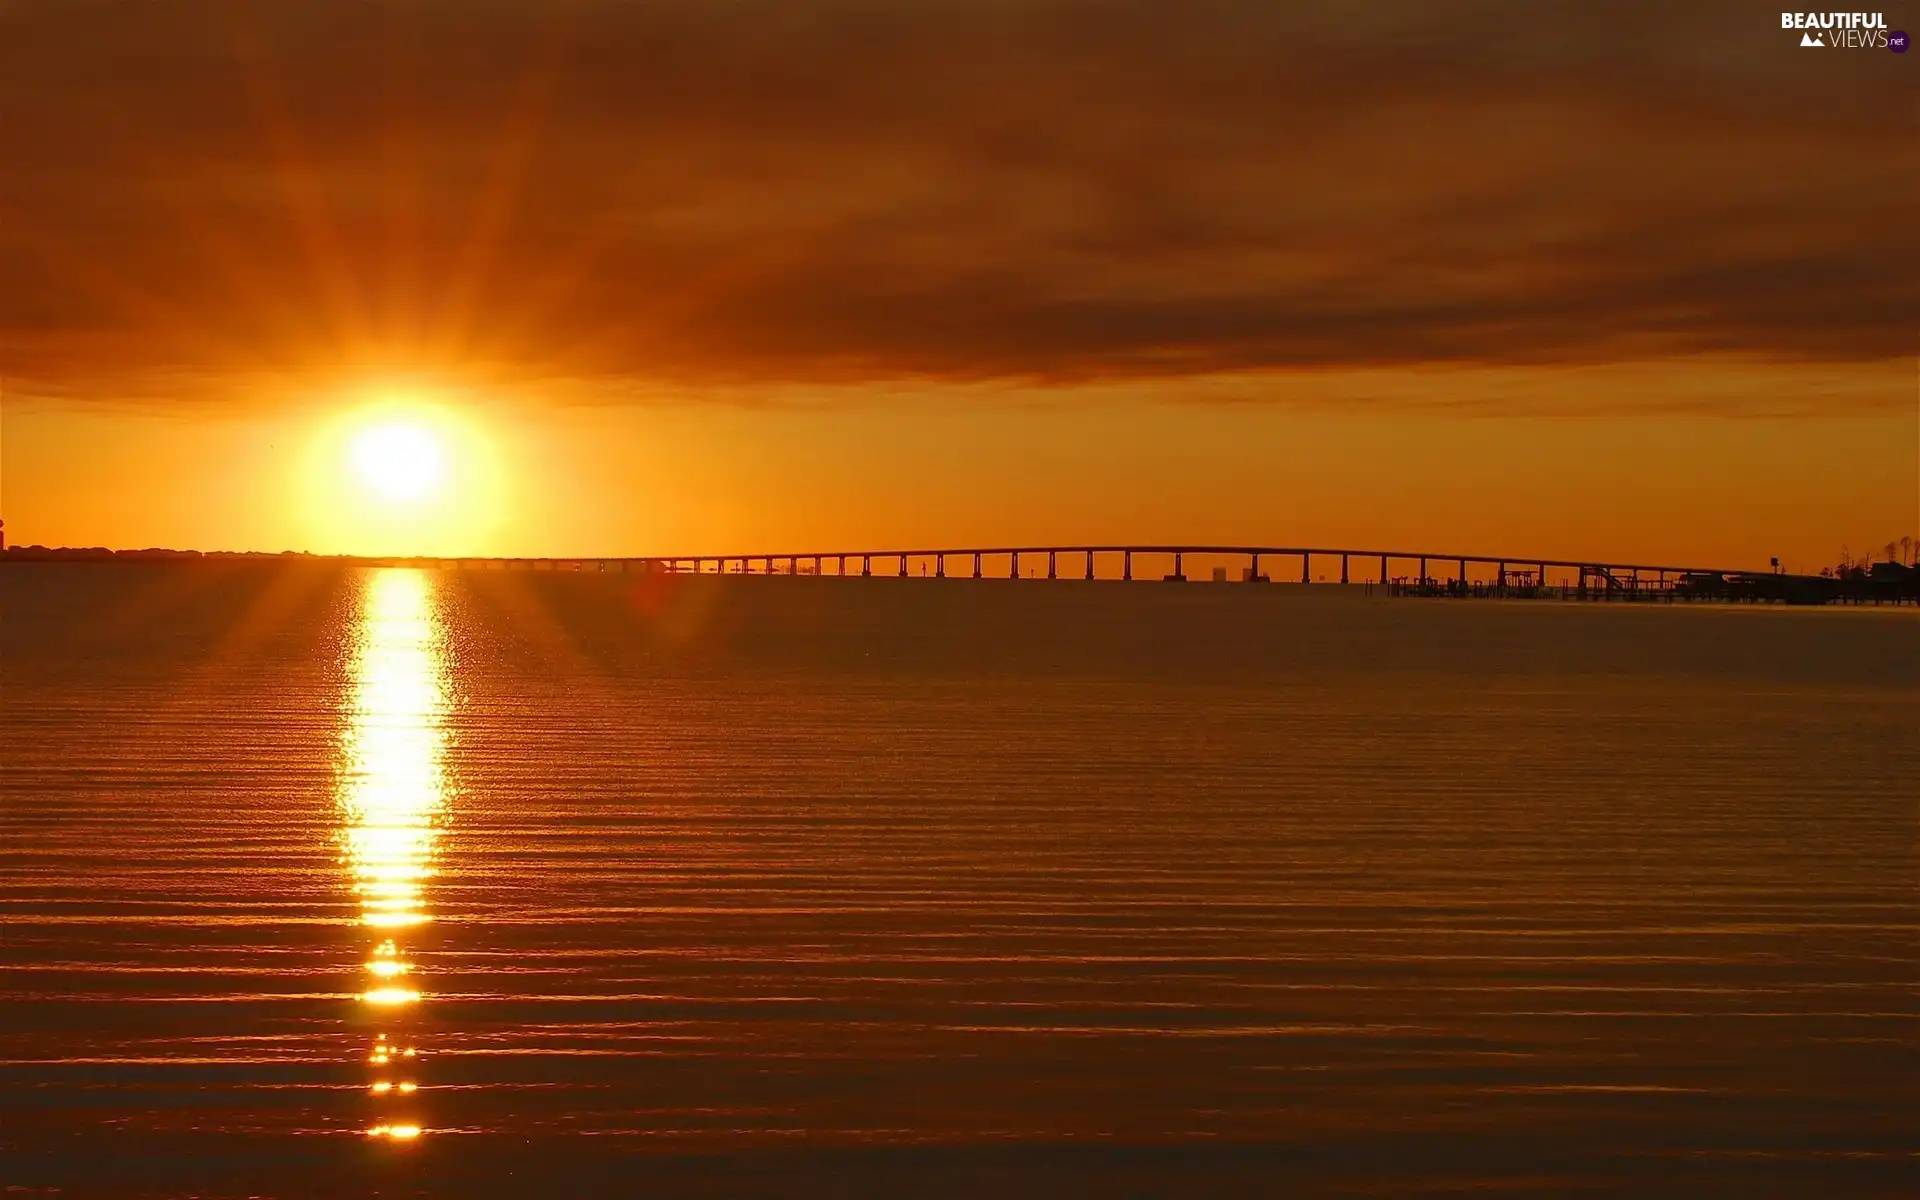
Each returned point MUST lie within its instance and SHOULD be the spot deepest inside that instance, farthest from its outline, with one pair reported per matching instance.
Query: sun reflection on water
(394, 799)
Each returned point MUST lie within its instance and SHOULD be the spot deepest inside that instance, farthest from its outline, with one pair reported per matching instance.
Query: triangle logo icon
(1809, 39)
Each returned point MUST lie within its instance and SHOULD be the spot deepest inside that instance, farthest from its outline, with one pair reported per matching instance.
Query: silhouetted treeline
(1887, 582)
(70, 553)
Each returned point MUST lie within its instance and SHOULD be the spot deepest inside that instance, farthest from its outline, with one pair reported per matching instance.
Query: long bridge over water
(1420, 573)
(1166, 560)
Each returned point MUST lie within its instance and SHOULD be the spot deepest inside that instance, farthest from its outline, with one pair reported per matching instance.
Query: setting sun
(403, 472)
(397, 462)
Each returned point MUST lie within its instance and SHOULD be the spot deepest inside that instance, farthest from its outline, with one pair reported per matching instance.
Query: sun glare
(397, 462)
(402, 475)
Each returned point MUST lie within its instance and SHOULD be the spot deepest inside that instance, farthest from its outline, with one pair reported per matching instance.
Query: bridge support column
(1253, 569)
(903, 566)
(1383, 568)
(1500, 580)
(1343, 569)
(1306, 568)
(1089, 564)
(1463, 572)
(1051, 573)
(976, 565)
(866, 564)
(1013, 565)
(1126, 566)
(939, 566)
(1179, 568)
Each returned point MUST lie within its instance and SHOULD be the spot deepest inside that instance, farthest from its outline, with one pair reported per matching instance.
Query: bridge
(1420, 573)
(1417, 568)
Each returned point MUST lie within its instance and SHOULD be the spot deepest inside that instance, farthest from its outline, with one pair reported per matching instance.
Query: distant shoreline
(1898, 586)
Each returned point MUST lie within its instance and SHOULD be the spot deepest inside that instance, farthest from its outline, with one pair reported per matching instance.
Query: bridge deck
(1450, 564)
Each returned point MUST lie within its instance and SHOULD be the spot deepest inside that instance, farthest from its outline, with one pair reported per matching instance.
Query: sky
(710, 276)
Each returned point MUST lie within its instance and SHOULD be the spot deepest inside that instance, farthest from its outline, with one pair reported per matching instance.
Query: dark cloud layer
(773, 192)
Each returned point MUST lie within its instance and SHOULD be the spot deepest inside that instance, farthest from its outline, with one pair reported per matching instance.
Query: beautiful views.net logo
(1845, 31)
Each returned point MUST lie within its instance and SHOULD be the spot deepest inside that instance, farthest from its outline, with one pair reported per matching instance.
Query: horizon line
(934, 552)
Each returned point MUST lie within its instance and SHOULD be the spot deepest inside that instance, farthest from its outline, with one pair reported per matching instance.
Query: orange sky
(682, 277)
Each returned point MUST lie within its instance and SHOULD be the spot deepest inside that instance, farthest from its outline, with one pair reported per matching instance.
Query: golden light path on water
(394, 800)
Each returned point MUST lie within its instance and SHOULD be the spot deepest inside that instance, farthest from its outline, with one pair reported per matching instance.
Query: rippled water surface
(318, 882)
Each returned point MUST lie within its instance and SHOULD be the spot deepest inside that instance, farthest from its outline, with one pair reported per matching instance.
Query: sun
(398, 462)
(402, 475)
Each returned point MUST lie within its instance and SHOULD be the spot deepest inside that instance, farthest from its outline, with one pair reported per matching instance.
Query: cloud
(700, 194)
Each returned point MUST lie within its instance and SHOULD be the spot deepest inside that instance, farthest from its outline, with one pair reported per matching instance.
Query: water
(316, 882)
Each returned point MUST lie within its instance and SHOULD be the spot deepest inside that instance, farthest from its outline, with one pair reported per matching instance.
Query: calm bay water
(318, 882)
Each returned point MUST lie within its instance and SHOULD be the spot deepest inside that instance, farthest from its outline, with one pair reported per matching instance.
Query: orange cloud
(613, 196)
